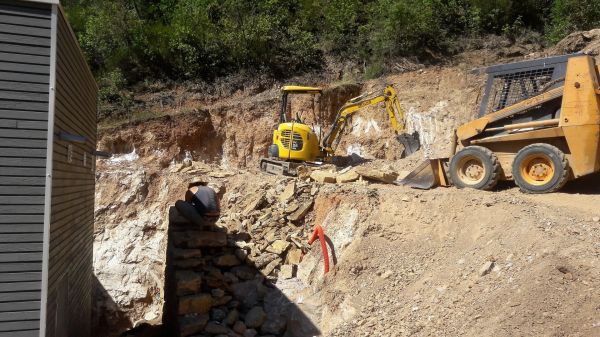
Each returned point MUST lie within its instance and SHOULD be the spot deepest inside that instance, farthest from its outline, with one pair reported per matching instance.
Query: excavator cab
(288, 90)
(294, 142)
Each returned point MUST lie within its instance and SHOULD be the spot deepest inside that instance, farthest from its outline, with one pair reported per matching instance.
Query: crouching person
(201, 205)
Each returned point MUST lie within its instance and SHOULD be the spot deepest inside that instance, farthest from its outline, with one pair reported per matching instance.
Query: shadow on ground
(106, 313)
(213, 289)
(589, 184)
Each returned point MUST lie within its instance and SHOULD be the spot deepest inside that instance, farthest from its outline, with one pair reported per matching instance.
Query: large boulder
(383, 176)
(323, 176)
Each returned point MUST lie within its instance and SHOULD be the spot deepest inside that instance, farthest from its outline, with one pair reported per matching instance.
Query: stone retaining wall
(213, 289)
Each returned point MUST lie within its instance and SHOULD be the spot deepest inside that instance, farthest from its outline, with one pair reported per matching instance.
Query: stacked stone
(216, 290)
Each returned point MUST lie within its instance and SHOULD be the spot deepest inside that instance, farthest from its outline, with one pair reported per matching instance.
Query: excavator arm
(395, 113)
(350, 108)
(393, 108)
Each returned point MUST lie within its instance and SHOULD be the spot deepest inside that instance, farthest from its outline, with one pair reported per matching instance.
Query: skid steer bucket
(410, 142)
(427, 175)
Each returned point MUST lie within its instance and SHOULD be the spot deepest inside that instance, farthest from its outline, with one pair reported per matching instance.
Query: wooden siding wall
(24, 89)
(73, 183)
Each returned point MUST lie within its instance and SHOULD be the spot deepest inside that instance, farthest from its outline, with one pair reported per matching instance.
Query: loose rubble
(352, 174)
(224, 273)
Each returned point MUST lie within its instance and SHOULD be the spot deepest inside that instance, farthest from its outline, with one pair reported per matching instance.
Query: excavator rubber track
(280, 167)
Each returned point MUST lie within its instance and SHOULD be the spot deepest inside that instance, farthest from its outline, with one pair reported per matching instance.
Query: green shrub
(115, 100)
(374, 70)
(127, 41)
(571, 15)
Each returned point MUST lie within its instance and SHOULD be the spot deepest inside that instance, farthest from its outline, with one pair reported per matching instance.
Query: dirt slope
(469, 263)
(444, 262)
(237, 132)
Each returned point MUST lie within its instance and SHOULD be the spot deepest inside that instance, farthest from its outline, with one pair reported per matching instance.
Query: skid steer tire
(540, 168)
(475, 167)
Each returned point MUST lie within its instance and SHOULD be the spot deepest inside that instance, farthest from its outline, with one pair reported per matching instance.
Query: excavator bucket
(410, 142)
(427, 175)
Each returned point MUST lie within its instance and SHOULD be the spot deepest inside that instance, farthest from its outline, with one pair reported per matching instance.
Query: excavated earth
(443, 262)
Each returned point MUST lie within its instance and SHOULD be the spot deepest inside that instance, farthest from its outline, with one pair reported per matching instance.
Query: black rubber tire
(558, 158)
(490, 164)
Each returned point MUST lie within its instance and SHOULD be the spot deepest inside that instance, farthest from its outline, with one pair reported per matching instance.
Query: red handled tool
(318, 233)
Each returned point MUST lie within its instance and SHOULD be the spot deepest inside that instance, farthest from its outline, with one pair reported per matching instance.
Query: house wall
(25, 38)
(69, 300)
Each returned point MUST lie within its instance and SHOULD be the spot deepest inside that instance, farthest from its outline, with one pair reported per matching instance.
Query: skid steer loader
(539, 125)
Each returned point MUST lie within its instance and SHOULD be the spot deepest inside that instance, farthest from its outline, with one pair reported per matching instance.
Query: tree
(571, 15)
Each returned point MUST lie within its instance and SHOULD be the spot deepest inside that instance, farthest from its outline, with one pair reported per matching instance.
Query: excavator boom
(396, 116)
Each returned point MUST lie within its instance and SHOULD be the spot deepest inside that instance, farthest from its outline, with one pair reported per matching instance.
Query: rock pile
(221, 276)
(272, 225)
(587, 42)
(349, 174)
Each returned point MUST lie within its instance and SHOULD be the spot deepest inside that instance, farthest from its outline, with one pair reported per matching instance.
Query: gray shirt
(206, 201)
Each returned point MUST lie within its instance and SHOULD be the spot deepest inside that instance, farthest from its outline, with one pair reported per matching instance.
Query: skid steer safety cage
(508, 84)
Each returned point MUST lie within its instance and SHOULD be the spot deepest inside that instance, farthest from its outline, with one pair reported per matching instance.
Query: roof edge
(51, 2)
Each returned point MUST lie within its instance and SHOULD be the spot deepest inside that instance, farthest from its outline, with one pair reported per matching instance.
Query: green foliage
(374, 69)
(132, 40)
(340, 24)
(571, 15)
(409, 27)
(113, 96)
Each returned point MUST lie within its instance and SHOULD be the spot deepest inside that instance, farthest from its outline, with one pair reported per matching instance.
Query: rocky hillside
(444, 262)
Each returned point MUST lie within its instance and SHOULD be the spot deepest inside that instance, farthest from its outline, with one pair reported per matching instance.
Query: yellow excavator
(297, 144)
(539, 125)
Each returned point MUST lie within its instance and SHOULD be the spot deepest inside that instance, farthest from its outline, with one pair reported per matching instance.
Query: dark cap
(198, 182)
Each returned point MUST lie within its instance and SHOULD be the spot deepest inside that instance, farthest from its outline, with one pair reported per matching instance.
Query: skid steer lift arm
(395, 114)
